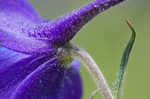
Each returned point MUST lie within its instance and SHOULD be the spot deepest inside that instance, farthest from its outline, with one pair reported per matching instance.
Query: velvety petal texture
(21, 28)
(29, 68)
(14, 68)
(73, 82)
(38, 77)
(16, 16)
(32, 53)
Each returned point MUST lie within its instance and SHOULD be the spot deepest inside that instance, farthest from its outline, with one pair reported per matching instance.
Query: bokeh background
(105, 38)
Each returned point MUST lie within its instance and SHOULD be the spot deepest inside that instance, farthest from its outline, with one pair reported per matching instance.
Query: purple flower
(34, 63)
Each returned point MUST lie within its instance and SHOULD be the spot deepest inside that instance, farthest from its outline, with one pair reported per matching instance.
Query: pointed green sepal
(124, 62)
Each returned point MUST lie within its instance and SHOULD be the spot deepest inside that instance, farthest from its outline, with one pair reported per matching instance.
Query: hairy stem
(94, 70)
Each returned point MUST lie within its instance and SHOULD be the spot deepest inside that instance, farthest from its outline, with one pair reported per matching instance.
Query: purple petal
(42, 83)
(50, 81)
(16, 16)
(73, 82)
(16, 10)
(14, 67)
(37, 77)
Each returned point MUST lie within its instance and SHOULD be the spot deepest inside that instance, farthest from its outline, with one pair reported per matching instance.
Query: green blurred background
(105, 38)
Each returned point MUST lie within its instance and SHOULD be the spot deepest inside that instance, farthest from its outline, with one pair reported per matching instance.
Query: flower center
(64, 56)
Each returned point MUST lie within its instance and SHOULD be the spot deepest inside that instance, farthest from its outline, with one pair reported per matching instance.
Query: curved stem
(94, 69)
(94, 93)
